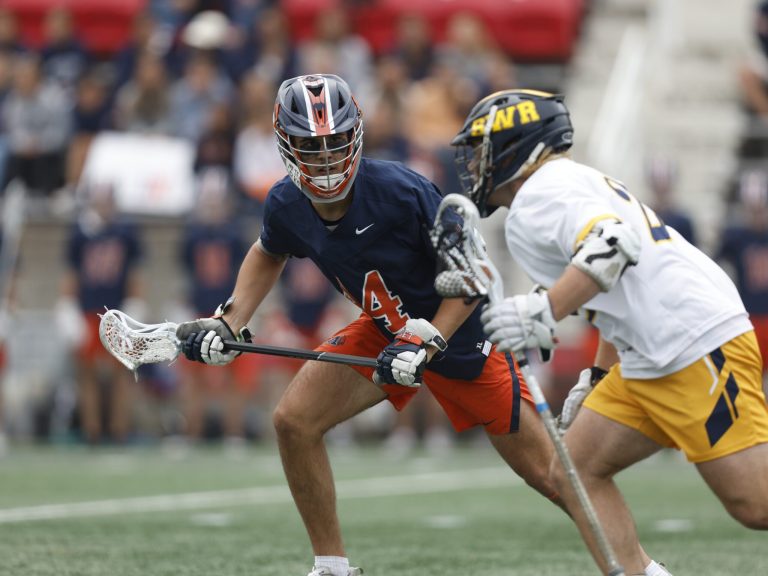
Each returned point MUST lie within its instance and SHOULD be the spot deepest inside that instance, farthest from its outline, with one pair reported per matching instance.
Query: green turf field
(77, 512)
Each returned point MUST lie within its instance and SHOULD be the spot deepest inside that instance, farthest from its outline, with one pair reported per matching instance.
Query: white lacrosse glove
(70, 322)
(404, 359)
(587, 380)
(202, 340)
(521, 322)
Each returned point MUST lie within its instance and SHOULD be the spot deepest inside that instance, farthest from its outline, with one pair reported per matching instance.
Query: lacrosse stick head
(465, 271)
(134, 343)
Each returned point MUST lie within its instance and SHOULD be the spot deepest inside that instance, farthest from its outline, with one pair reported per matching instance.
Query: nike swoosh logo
(360, 231)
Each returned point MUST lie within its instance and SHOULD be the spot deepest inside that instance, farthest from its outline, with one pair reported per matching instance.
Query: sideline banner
(151, 175)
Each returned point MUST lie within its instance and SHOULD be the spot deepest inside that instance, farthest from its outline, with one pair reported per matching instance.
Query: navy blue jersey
(379, 256)
(747, 251)
(102, 262)
(212, 256)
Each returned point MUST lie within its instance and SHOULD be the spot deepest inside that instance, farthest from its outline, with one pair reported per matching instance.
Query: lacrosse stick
(134, 344)
(468, 272)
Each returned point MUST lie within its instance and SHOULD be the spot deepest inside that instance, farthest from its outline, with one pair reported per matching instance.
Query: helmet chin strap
(532, 158)
(327, 182)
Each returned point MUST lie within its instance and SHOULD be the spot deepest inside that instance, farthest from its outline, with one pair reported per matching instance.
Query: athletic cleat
(323, 571)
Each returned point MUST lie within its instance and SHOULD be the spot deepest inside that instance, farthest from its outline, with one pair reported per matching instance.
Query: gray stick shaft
(347, 359)
(542, 407)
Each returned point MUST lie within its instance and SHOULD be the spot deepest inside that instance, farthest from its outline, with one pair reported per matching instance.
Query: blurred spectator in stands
(744, 246)
(9, 33)
(90, 116)
(661, 177)
(499, 73)
(212, 33)
(194, 96)
(215, 148)
(268, 51)
(350, 54)
(436, 107)
(37, 120)
(385, 99)
(6, 83)
(257, 163)
(212, 249)
(144, 104)
(467, 48)
(244, 14)
(146, 38)
(9, 268)
(753, 76)
(64, 58)
(414, 46)
(103, 256)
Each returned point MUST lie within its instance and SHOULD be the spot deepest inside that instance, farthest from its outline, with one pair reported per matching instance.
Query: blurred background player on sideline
(678, 363)
(365, 223)
(744, 247)
(212, 248)
(103, 254)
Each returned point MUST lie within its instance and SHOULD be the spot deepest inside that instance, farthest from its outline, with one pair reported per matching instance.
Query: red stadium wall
(102, 25)
(527, 30)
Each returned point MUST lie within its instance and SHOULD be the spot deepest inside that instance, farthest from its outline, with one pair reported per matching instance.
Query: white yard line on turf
(365, 488)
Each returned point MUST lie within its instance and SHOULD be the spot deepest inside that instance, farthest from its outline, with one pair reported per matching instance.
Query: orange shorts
(491, 400)
(760, 322)
(92, 348)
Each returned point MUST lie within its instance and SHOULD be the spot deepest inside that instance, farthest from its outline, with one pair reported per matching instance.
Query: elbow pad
(607, 251)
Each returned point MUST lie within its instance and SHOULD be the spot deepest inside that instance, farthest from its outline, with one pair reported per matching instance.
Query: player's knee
(287, 424)
(751, 514)
(557, 475)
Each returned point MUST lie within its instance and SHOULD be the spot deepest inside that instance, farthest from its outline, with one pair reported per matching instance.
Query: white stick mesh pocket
(134, 343)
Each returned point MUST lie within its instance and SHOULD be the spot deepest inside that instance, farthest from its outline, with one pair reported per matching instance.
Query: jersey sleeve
(429, 199)
(272, 239)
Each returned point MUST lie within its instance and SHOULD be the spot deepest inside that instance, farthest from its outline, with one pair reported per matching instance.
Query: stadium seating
(103, 25)
(528, 30)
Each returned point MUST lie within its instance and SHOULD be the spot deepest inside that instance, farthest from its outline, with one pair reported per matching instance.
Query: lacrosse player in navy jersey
(678, 363)
(365, 224)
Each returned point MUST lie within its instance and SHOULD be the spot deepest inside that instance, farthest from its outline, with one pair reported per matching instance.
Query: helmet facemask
(323, 167)
(474, 162)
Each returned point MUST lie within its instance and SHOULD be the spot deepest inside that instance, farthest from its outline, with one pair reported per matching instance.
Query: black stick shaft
(303, 354)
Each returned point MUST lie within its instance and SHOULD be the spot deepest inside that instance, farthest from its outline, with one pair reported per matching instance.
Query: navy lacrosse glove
(404, 359)
(202, 340)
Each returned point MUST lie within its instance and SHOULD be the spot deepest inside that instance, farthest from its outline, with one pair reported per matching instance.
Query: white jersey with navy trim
(675, 306)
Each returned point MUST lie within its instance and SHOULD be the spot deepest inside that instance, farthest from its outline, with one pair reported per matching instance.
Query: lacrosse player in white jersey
(678, 363)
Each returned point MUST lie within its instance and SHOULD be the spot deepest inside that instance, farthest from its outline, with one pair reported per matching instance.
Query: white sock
(338, 565)
(656, 569)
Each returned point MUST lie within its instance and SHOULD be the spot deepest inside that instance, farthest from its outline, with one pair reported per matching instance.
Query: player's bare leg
(601, 448)
(121, 404)
(89, 399)
(319, 397)
(740, 481)
(529, 452)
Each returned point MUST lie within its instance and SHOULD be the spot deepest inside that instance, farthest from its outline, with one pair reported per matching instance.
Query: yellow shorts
(710, 409)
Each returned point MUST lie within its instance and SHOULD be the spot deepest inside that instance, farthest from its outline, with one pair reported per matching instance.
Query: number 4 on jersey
(379, 302)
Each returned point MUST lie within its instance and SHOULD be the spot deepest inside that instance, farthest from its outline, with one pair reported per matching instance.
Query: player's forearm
(258, 274)
(572, 290)
(606, 355)
(451, 314)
